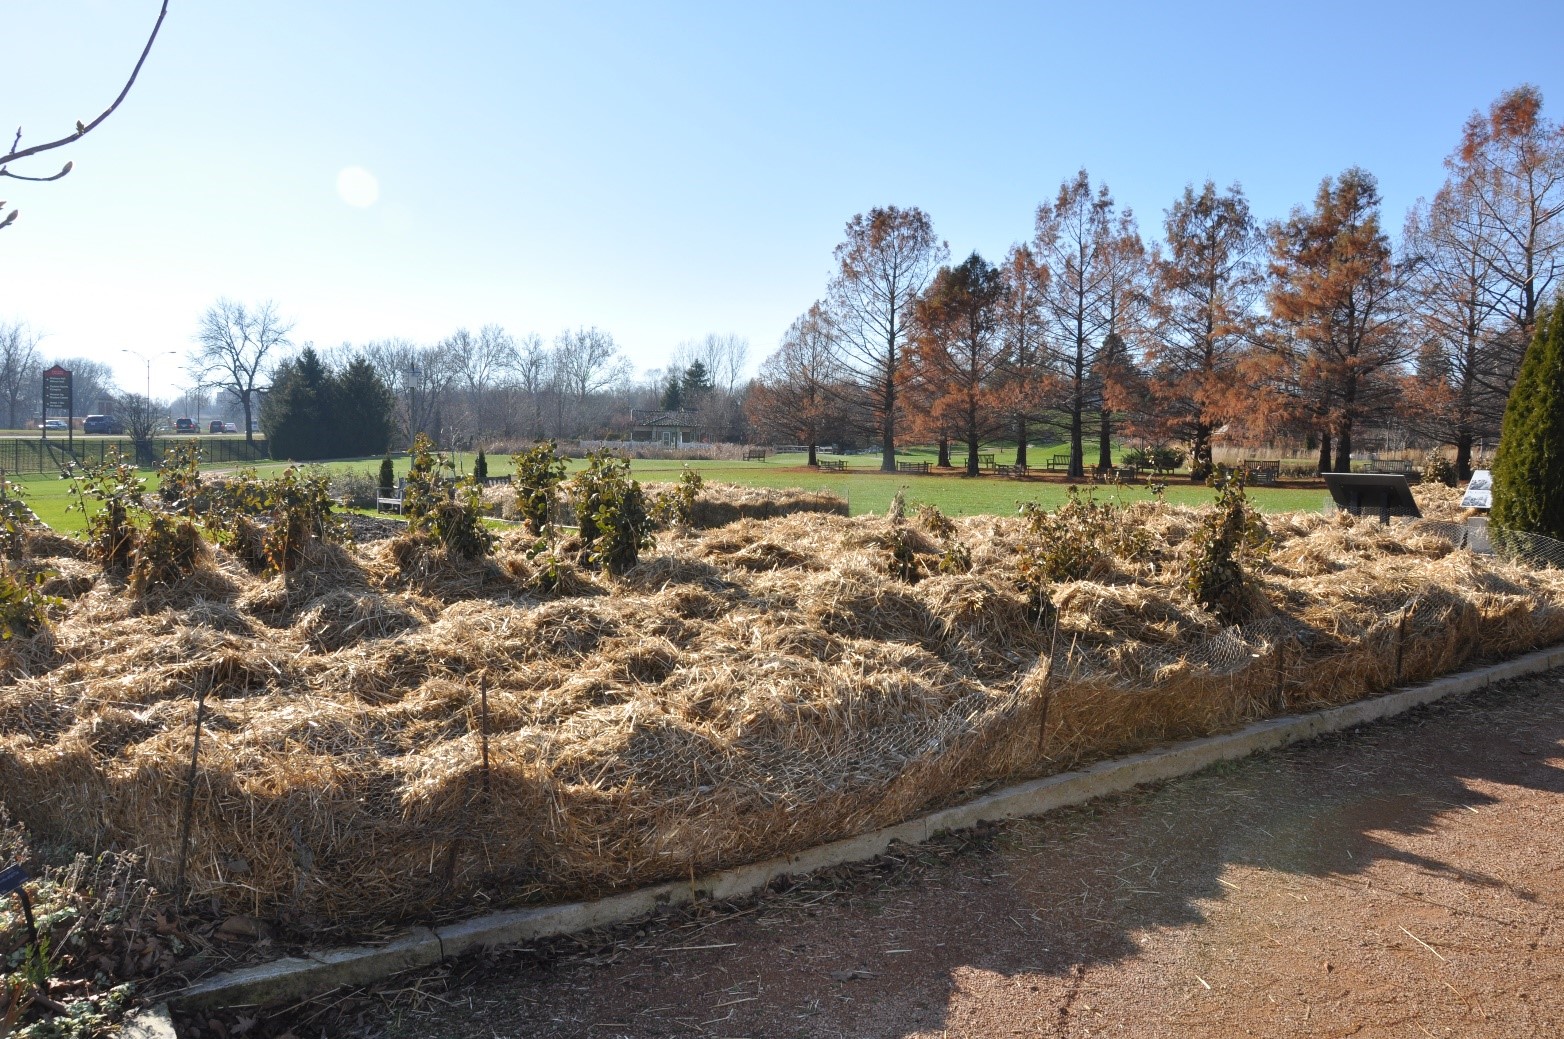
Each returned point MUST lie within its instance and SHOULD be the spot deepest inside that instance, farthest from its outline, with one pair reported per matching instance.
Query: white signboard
(1479, 493)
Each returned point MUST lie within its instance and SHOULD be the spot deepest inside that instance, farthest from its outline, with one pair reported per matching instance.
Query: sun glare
(358, 187)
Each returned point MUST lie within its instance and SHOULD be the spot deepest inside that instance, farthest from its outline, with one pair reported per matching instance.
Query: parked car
(229, 427)
(56, 423)
(102, 424)
(216, 426)
(186, 425)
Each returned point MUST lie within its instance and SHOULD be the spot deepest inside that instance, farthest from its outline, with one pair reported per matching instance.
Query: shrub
(1080, 539)
(480, 467)
(387, 476)
(179, 477)
(168, 549)
(23, 603)
(15, 518)
(676, 508)
(1437, 468)
(955, 557)
(442, 508)
(536, 476)
(270, 524)
(1528, 467)
(121, 496)
(1232, 535)
(356, 489)
(611, 513)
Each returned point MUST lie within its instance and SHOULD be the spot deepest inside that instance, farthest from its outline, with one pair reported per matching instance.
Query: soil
(1401, 880)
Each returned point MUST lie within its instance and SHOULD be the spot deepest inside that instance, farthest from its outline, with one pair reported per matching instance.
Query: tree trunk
(1077, 454)
(1324, 464)
(1463, 456)
(1105, 439)
(944, 452)
(814, 461)
(1020, 440)
(972, 459)
(1344, 448)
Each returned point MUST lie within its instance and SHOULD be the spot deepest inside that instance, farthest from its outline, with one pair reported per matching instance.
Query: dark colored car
(185, 425)
(102, 424)
(216, 426)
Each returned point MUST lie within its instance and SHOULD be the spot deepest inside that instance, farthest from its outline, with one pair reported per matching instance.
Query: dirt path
(1404, 880)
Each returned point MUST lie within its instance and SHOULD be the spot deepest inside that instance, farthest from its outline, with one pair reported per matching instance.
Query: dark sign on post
(57, 398)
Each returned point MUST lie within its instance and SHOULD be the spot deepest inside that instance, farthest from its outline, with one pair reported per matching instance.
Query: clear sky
(663, 171)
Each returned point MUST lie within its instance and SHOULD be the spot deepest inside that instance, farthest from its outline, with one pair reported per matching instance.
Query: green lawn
(862, 485)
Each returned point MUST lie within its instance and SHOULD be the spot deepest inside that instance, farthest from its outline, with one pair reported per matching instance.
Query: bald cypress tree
(1528, 468)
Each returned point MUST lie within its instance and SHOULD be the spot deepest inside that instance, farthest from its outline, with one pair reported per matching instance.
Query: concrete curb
(298, 977)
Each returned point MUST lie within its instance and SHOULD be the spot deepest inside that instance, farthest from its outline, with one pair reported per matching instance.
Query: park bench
(1120, 473)
(985, 461)
(393, 502)
(755, 454)
(1263, 471)
(1010, 470)
(913, 467)
(834, 465)
(1058, 461)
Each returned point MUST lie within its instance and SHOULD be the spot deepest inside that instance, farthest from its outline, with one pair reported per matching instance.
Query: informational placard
(57, 398)
(1479, 492)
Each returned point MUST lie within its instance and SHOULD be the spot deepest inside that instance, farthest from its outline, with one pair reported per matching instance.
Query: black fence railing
(28, 455)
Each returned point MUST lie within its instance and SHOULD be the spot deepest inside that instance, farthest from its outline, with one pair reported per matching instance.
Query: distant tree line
(1314, 328)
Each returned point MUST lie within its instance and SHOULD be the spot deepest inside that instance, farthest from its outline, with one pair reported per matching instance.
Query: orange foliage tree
(958, 351)
(1206, 289)
(1336, 295)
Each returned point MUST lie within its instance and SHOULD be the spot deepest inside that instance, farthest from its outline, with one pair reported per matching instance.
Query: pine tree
(296, 414)
(363, 415)
(480, 467)
(673, 394)
(1528, 467)
(387, 475)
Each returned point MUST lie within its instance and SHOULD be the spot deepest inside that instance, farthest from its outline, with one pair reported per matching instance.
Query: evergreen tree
(697, 380)
(387, 475)
(1528, 467)
(296, 413)
(480, 467)
(365, 409)
(673, 394)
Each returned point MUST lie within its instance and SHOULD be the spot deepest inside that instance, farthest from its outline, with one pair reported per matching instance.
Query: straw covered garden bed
(393, 733)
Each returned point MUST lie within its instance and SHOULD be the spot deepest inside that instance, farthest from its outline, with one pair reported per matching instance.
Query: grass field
(863, 486)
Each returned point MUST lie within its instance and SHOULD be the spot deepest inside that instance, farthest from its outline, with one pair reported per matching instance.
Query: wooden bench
(757, 454)
(985, 461)
(1120, 473)
(1264, 471)
(913, 467)
(1058, 461)
(832, 465)
(1010, 470)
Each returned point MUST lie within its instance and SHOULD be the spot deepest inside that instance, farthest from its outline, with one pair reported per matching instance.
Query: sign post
(57, 396)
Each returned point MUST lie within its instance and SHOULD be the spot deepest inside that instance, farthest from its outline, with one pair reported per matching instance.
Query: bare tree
(141, 414)
(82, 129)
(420, 377)
(793, 399)
(534, 370)
(482, 363)
(21, 371)
(586, 361)
(235, 349)
(884, 264)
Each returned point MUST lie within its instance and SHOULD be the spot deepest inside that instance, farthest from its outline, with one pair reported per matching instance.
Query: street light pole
(146, 359)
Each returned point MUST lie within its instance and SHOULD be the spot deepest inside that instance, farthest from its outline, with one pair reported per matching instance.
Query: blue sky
(663, 172)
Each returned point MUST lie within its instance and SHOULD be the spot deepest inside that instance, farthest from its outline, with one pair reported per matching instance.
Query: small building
(672, 428)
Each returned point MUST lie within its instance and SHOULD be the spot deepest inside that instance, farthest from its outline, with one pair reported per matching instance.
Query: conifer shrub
(1528, 467)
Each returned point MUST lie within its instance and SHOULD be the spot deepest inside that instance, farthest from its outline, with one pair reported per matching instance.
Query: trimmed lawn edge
(294, 978)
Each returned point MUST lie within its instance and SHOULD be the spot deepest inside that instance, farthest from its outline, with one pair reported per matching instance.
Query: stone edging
(297, 977)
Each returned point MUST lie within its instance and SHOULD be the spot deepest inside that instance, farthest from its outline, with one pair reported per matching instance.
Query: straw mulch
(745, 691)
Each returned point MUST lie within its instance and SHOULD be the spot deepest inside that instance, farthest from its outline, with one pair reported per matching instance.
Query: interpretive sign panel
(1479, 492)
